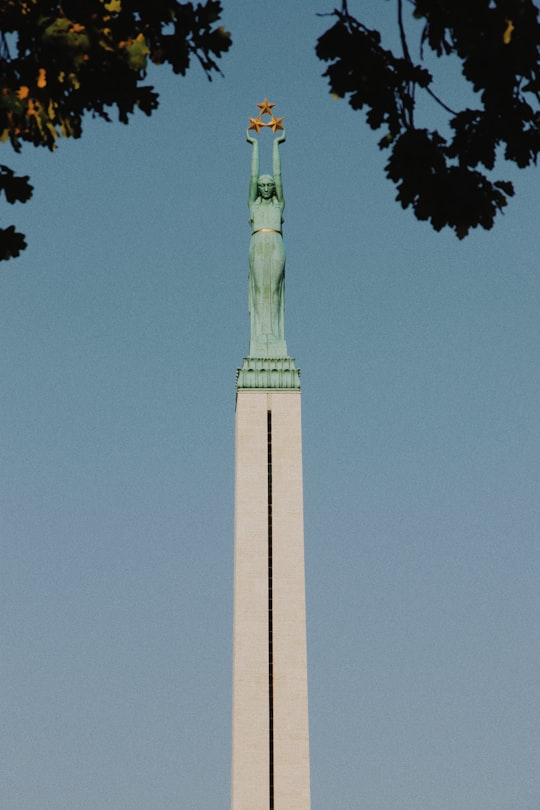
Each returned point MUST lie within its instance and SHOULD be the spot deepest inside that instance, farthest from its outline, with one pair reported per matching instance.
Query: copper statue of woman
(266, 256)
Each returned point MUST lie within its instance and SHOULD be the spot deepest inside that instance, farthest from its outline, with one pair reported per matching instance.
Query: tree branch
(404, 44)
(436, 98)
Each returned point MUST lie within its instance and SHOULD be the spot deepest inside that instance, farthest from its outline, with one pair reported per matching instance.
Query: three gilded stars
(265, 109)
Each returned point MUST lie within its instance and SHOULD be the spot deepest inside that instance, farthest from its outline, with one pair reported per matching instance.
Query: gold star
(256, 124)
(275, 123)
(265, 107)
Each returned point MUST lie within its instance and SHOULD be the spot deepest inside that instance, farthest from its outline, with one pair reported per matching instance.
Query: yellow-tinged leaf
(66, 128)
(76, 28)
(42, 78)
(507, 36)
(114, 6)
(23, 91)
(136, 52)
(106, 40)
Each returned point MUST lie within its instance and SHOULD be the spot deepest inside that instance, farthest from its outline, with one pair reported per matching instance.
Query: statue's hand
(281, 137)
(250, 138)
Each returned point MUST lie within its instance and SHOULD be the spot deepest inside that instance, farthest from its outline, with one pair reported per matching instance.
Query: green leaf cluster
(62, 60)
(445, 179)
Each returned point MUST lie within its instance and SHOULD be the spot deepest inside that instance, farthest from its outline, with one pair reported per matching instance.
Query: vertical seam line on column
(270, 616)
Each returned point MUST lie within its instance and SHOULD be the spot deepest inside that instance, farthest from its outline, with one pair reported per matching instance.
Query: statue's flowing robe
(266, 271)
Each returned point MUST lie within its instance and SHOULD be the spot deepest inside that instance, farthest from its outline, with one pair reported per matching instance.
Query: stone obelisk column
(270, 751)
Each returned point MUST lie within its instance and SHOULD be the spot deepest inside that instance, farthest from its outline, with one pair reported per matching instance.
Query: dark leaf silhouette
(62, 60)
(444, 179)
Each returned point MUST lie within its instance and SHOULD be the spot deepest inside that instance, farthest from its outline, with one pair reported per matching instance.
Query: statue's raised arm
(254, 168)
(276, 167)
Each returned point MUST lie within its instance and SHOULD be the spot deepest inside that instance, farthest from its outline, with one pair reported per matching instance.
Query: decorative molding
(268, 373)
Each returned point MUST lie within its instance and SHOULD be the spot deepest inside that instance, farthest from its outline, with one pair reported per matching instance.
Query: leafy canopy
(60, 60)
(445, 179)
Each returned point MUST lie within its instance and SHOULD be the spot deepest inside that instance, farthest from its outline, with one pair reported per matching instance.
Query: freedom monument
(270, 742)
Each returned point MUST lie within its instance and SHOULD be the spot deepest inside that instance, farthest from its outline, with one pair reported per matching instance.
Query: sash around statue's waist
(265, 230)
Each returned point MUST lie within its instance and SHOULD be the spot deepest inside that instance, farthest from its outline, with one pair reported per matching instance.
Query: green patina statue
(266, 253)
(268, 366)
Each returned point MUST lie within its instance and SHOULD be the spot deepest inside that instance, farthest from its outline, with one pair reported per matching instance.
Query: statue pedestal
(268, 373)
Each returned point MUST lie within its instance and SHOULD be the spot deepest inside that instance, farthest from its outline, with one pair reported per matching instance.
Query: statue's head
(266, 186)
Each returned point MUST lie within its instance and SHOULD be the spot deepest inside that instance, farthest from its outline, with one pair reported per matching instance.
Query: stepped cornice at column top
(268, 373)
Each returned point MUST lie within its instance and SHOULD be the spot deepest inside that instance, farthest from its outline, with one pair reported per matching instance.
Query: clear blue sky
(121, 330)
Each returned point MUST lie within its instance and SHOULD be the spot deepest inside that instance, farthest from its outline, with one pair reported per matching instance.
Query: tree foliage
(444, 179)
(60, 60)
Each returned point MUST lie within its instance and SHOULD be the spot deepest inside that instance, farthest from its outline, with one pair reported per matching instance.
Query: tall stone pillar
(270, 750)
